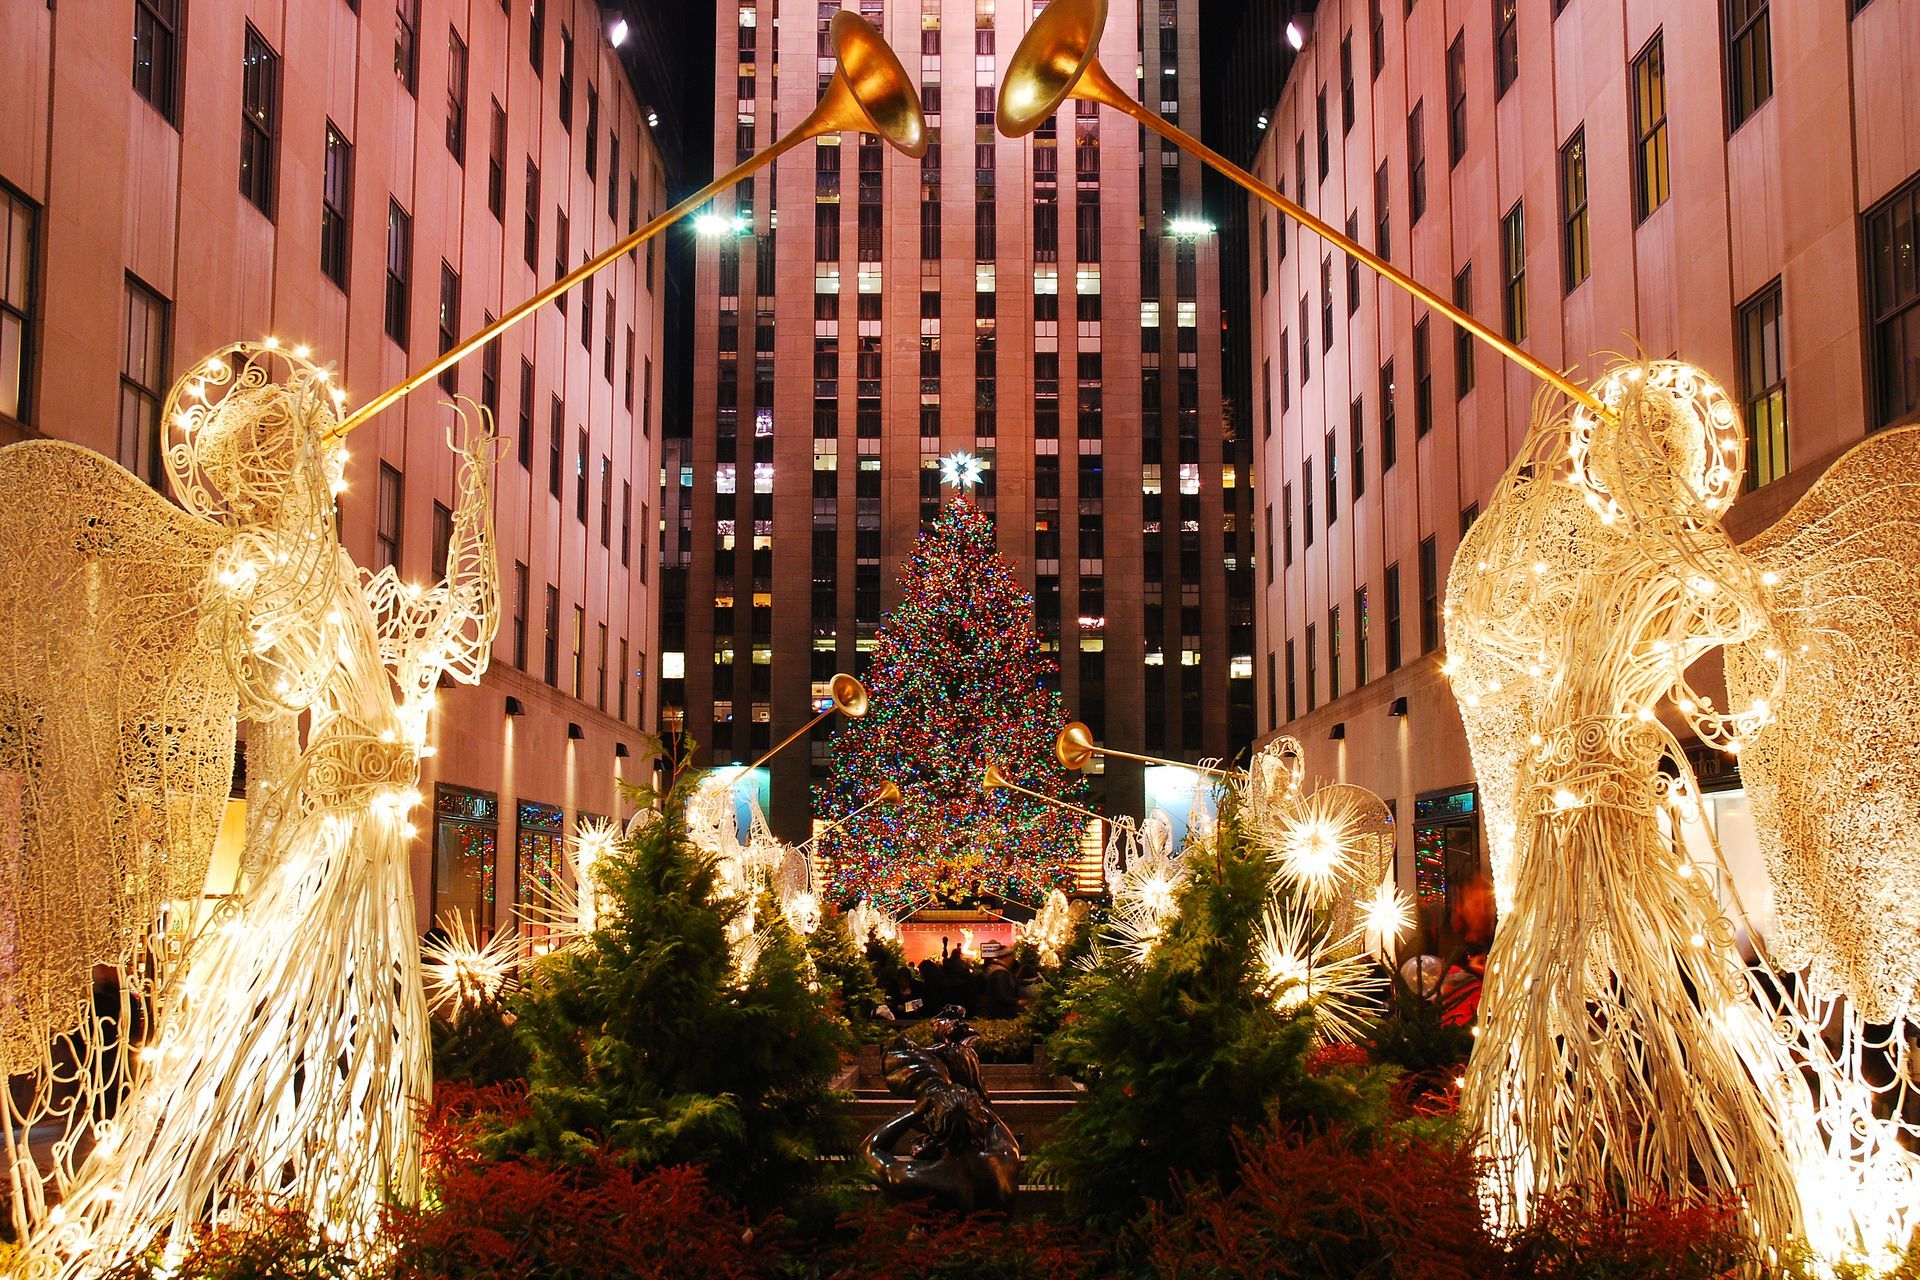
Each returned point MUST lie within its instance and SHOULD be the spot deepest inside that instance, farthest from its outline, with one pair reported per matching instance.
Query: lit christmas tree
(957, 681)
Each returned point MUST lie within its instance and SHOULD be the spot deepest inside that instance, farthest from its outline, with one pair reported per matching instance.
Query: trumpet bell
(889, 793)
(870, 92)
(1073, 746)
(1052, 57)
(993, 780)
(849, 695)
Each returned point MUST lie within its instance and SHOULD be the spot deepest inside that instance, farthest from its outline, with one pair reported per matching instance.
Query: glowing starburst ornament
(962, 470)
(1302, 968)
(1385, 916)
(461, 972)
(1145, 902)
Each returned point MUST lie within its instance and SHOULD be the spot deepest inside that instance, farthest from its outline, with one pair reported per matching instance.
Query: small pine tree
(845, 976)
(1184, 1050)
(648, 1043)
(957, 681)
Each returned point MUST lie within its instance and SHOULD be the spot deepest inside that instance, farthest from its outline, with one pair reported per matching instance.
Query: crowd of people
(995, 987)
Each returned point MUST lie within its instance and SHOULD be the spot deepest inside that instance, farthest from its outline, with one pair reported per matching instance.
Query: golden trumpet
(849, 698)
(889, 793)
(995, 779)
(1075, 749)
(869, 93)
(1058, 59)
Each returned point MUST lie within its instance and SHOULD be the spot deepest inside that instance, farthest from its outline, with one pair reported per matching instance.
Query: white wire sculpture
(289, 1048)
(1625, 1048)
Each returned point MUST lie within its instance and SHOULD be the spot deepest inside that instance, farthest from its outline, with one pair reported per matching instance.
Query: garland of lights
(957, 681)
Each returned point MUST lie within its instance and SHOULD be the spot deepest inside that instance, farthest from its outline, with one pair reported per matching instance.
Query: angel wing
(1834, 777)
(117, 715)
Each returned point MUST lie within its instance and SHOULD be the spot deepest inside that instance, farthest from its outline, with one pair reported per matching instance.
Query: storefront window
(466, 847)
(1454, 893)
(541, 846)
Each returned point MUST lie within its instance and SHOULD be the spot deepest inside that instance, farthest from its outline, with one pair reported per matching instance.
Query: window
(1389, 443)
(490, 372)
(1749, 32)
(1293, 696)
(1457, 99)
(577, 686)
(1330, 458)
(1306, 343)
(1429, 595)
(1346, 83)
(620, 678)
(626, 523)
(1286, 525)
(1416, 166)
(1357, 442)
(1360, 672)
(1320, 135)
(19, 255)
(1468, 514)
(1513, 270)
(1333, 653)
(536, 33)
(556, 452)
(1376, 40)
(143, 382)
(1306, 501)
(580, 485)
(497, 163)
(1313, 667)
(1422, 379)
(1273, 692)
(1382, 225)
(1649, 90)
(1763, 387)
(1506, 45)
(524, 444)
(406, 42)
(613, 216)
(449, 326)
(336, 207)
(566, 78)
(1268, 556)
(606, 501)
(156, 55)
(600, 697)
(1893, 226)
(520, 615)
(259, 122)
(551, 641)
(1392, 594)
(386, 535)
(456, 96)
(593, 132)
(442, 539)
(1353, 265)
(399, 272)
(1462, 340)
(530, 232)
(1575, 257)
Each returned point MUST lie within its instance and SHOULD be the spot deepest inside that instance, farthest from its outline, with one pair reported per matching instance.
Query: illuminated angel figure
(1624, 1046)
(292, 1056)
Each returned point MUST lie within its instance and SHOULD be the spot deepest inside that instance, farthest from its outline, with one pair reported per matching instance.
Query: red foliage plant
(1325, 1058)
(912, 1242)
(1568, 1239)
(515, 1218)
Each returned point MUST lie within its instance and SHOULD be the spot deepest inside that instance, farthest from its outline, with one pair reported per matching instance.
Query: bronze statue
(950, 1147)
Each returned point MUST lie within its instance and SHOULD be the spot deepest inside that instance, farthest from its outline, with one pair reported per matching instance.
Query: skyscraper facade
(375, 184)
(1050, 304)
(1720, 182)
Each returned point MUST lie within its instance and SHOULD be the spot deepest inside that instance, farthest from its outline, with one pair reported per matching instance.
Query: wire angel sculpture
(1625, 1048)
(289, 1050)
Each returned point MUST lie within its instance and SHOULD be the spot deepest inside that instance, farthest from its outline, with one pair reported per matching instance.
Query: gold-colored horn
(849, 695)
(869, 93)
(1074, 747)
(889, 793)
(1058, 58)
(994, 780)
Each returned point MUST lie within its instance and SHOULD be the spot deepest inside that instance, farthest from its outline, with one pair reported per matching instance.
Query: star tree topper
(962, 470)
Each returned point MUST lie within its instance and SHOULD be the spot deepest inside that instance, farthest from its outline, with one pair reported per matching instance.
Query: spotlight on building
(617, 34)
(620, 751)
(1398, 707)
(515, 707)
(1297, 29)
(1189, 228)
(713, 224)
(1339, 732)
(574, 732)
(653, 118)
(1262, 122)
